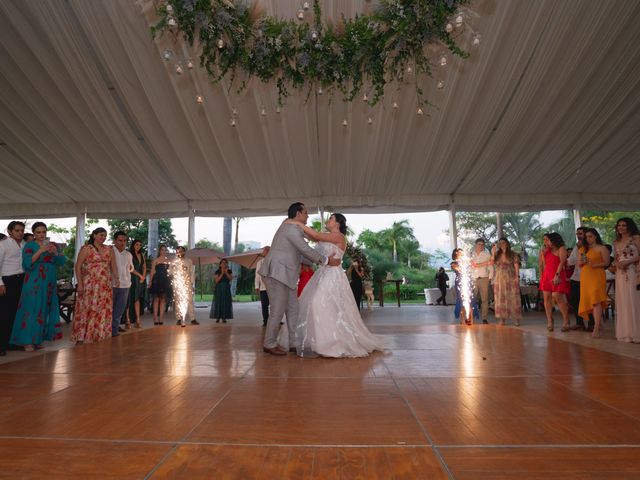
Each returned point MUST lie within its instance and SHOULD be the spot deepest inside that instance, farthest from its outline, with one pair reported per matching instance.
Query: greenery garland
(367, 51)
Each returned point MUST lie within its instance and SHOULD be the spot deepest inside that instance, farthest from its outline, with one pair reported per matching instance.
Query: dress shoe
(485, 322)
(274, 351)
(195, 322)
(121, 330)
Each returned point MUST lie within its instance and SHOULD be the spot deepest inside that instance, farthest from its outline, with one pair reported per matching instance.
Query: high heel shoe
(217, 320)
(596, 333)
(128, 325)
(550, 327)
(137, 325)
(565, 328)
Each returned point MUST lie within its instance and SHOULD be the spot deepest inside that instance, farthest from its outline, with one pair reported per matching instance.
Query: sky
(429, 227)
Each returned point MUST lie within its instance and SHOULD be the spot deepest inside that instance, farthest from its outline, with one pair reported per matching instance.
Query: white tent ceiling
(544, 115)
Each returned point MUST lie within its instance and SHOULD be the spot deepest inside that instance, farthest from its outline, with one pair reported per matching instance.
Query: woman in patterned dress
(95, 269)
(627, 256)
(506, 286)
(38, 317)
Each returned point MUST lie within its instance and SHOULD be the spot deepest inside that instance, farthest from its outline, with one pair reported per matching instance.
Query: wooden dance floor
(206, 403)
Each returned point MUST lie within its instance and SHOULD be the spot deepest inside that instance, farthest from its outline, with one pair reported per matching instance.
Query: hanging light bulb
(305, 6)
(278, 109)
(166, 54)
(419, 111)
(172, 22)
(314, 35)
(476, 40)
(365, 97)
(220, 43)
(443, 60)
(189, 64)
(459, 19)
(199, 99)
(263, 111)
(344, 122)
(320, 91)
(449, 27)
(409, 69)
(234, 112)
(301, 14)
(369, 120)
(233, 122)
(179, 69)
(395, 105)
(440, 84)
(169, 8)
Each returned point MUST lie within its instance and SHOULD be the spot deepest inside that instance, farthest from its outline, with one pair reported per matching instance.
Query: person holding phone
(38, 316)
(222, 306)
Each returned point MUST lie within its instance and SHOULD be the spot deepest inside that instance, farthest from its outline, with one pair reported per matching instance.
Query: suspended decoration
(238, 41)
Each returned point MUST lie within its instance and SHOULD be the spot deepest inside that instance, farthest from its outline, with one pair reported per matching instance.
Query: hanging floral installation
(237, 40)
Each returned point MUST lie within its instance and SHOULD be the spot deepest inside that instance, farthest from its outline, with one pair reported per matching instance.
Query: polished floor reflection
(443, 401)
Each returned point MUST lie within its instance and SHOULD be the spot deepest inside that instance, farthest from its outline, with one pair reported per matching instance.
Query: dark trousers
(8, 307)
(443, 296)
(574, 301)
(264, 301)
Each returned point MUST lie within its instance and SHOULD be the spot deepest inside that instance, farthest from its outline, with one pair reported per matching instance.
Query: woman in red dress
(306, 272)
(553, 280)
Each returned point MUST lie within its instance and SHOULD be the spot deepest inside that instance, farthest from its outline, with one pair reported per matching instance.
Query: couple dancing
(324, 320)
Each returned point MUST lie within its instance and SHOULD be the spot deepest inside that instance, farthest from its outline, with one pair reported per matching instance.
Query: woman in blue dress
(38, 317)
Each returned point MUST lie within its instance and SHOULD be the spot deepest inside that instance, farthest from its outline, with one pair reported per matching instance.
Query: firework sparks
(181, 285)
(466, 286)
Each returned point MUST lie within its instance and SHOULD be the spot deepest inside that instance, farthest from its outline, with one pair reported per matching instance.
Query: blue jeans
(120, 296)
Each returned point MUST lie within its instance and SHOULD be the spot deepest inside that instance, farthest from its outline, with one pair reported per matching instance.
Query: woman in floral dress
(38, 317)
(506, 286)
(627, 256)
(95, 269)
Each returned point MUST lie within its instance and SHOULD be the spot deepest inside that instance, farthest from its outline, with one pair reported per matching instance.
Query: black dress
(356, 287)
(161, 284)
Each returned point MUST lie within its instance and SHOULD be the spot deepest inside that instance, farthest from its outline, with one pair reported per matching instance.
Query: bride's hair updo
(342, 221)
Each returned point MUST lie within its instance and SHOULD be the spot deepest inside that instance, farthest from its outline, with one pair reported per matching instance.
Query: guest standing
(442, 280)
(138, 285)
(38, 316)
(96, 271)
(627, 255)
(160, 284)
(124, 264)
(306, 272)
(594, 259)
(261, 288)
(222, 306)
(506, 286)
(553, 280)
(355, 274)
(480, 273)
(11, 278)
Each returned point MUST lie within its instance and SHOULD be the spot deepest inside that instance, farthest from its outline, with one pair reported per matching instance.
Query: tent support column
(152, 239)
(577, 217)
(81, 219)
(499, 224)
(453, 227)
(192, 229)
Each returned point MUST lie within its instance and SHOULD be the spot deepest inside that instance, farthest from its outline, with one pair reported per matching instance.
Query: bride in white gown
(329, 323)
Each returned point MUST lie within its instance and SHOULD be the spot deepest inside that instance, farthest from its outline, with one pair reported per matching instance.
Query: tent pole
(499, 225)
(453, 227)
(192, 229)
(81, 219)
(577, 217)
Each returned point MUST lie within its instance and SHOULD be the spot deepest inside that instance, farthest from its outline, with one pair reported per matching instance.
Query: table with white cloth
(431, 295)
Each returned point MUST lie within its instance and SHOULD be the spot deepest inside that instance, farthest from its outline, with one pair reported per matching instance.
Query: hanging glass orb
(320, 91)
(419, 111)
(179, 69)
(409, 69)
(440, 85)
(172, 22)
(169, 8)
(263, 111)
(459, 19)
(220, 43)
(344, 122)
(443, 61)
(305, 6)
(449, 27)
(365, 98)
(395, 105)
(476, 40)
(234, 111)
(166, 54)
(314, 35)
(369, 120)
(199, 99)
(278, 109)
(189, 64)
(301, 14)
(233, 122)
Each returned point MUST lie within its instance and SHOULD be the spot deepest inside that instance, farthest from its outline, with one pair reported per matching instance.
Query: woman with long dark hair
(38, 316)
(506, 286)
(553, 278)
(222, 306)
(627, 256)
(594, 259)
(329, 323)
(138, 285)
(160, 284)
(95, 269)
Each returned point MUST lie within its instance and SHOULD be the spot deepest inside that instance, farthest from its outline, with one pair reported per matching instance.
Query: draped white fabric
(544, 115)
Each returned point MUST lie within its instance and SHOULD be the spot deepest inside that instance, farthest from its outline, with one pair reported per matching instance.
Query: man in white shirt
(11, 278)
(124, 262)
(261, 288)
(480, 273)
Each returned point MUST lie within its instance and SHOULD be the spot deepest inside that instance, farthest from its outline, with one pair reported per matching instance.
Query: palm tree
(397, 232)
(565, 227)
(521, 229)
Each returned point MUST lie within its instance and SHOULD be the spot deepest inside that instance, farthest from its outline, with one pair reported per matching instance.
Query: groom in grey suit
(281, 270)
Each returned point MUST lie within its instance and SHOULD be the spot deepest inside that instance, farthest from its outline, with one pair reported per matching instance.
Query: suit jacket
(283, 261)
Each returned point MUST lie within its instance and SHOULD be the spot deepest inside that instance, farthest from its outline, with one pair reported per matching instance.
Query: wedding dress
(329, 323)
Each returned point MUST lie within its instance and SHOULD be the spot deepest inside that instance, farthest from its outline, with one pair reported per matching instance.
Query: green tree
(605, 222)
(138, 229)
(204, 273)
(398, 232)
(521, 230)
(473, 225)
(565, 227)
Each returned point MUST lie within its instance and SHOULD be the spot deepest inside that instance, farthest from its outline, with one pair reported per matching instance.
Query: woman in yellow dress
(594, 259)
